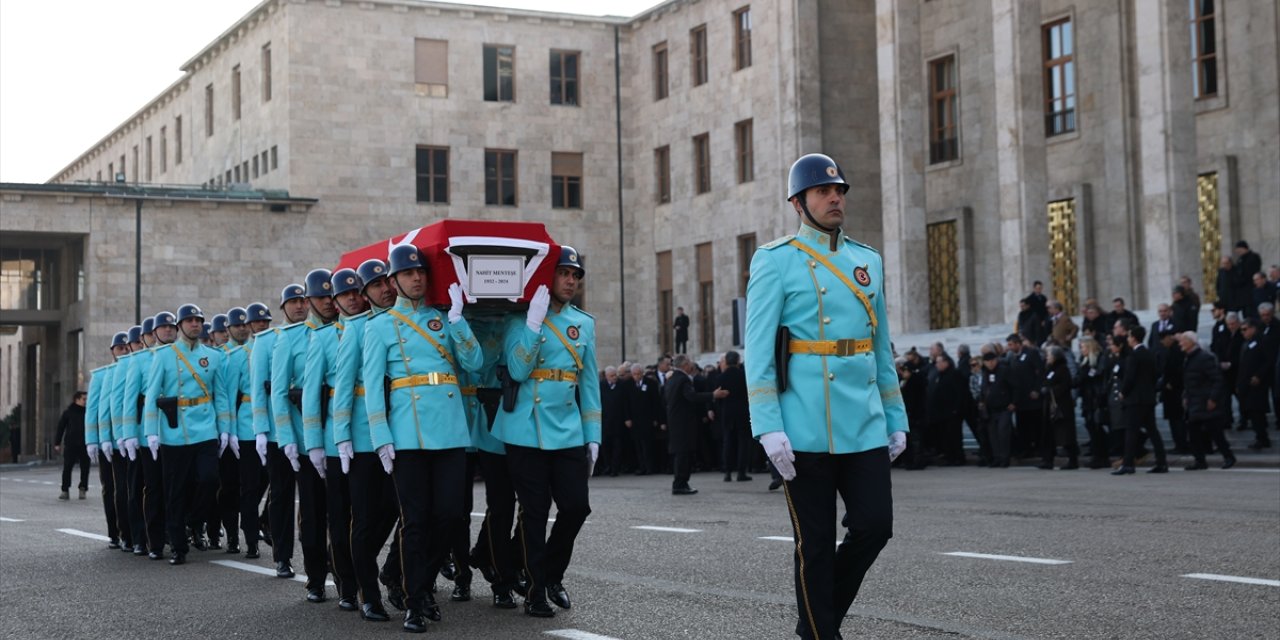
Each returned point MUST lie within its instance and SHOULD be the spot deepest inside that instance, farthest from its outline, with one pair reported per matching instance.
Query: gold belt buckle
(845, 347)
(433, 378)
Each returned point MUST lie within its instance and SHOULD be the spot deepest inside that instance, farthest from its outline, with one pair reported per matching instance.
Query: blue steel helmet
(165, 319)
(135, 333)
(189, 311)
(345, 280)
(292, 292)
(120, 339)
(404, 257)
(237, 317)
(318, 284)
(258, 311)
(569, 257)
(813, 170)
(371, 270)
(148, 325)
(204, 331)
(219, 323)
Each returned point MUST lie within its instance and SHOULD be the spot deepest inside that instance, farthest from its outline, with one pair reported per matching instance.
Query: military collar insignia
(573, 333)
(435, 325)
(204, 362)
(860, 274)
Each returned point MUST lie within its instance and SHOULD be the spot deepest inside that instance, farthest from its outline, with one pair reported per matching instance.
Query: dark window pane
(424, 189)
(557, 192)
(571, 92)
(491, 192)
(423, 160)
(575, 193)
(442, 161)
(490, 74)
(571, 66)
(555, 64)
(441, 193)
(1210, 77)
(556, 91)
(509, 192)
(1208, 43)
(509, 166)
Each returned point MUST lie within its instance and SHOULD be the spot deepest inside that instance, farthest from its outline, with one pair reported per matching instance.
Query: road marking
(988, 556)
(253, 568)
(667, 529)
(1255, 470)
(17, 479)
(85, 534)
(778, 538)
(4, 519)
(48, 483)
(574, 634)
(1239, 579)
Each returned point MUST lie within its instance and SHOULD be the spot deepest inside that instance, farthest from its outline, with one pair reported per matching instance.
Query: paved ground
(1127, 544)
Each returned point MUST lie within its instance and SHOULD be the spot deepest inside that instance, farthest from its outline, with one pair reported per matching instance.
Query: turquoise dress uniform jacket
(119, 379)
(350, 418)
(135, 386)
(174, 372)
(259, 376)
(421, 416)
(547, 413)
(489, 334)
(104, 402)
(239, 390)
(833, 404)
(93, 406)
(320, 367)
(288, 366)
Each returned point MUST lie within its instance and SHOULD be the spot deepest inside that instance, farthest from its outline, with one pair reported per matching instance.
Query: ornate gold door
(1210, 234)
(1063, 260)
(944, 291)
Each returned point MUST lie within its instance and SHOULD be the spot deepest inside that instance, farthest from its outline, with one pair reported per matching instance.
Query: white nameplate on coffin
(495, 276)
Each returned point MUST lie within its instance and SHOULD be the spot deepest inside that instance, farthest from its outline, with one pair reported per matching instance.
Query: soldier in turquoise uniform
(838, 421)
(552, 435)
(187, 421)
(288, 366)
(97, 437)
(283, 486)
(242, 324)
(373, 501)
(145, 476)
(227, 502)
(122, 470)
(318, 392)
(414, 354)
(218, 331)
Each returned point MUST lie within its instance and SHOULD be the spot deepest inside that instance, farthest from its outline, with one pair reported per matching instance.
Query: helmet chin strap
(833, 235)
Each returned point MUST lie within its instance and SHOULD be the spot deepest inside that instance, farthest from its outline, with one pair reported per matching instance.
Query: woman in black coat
(1060, 417)
(1091, 382)
(948, 392)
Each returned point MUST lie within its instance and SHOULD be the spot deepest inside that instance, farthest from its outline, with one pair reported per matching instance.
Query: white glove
(456, 300)
(131, 448)
(260, 443)
(778, 447)
(291, 452)
(235, 446)
(345, 454)
(897, 444)
(387, 453)
(317, 460)
(223, 439)
(593, 454)
(153, 443)
(538, 309)
(120, 445)
(92, 450)
(106, 449)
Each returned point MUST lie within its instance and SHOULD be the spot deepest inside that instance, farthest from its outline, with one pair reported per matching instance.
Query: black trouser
(1204, 431)
(146, 494)
(134, 491)
(459, 541)
(682, 466)
(1059, 433)
(120, 494)
(1177, 422)
(312, 523)
(610, 450)
(280, 507)
(1028, 429)
(493, 543)
(827, 579)
(72, 455)
(736, 447)
(541, 477)
(337, 492)
(426, 484)
(682, 346)
(253, 484)
(1000, 433)
(1141, 421)
(1098, 446)
(186, 467)
(1257, 418)
(642, 440)
(107, 478)
(373, 517)
(978, 427)
(228, 497)
(950, 436)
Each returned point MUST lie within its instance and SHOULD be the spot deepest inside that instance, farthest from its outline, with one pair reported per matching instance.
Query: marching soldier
(413, 354)
(227, 500)
(218, 331)
(189, 417)
(97, 437)
(373, 501)
(145, 475)
(121, 402)
(318, 391)
(824, 395)
(288, 362)
(547, 353)
(293, 302)
(242, 324)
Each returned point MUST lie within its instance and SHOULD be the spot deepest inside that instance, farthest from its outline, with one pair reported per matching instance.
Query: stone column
(1168, 218)
(1020, 163)
(902, 159)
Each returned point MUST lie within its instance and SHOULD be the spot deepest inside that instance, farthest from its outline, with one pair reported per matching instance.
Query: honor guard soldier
(206, 338)
(218, 331)
(187, 422)
(318, 391)
(283, 487)
(227, 501)
(823, 390)
(413, 353)
(97, 437)
(288, 364)
(548, 352)
(145, 475)
(242, 324)
(121, 472)
(373, 500)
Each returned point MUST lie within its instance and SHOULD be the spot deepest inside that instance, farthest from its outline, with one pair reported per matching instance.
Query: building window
(500, 177)
(742, 38)
(177, 140)
(706, 298)
(433, 174)
(255, 165)
(235, 92)
(111, 171)
(208, 110)
(164, 150)
(698, 54)
(1204, 48)
(666, 302)
(133, 170)
(943, 146)
(264, 161)
(743, 138)
(122, 175)
(235, 172)
(275, 158)
(566, 180)
(266, 72)
(662, 173)
(99, 178)
(499, 73)
(244, 170)
(702, 163)
(564, 77)
(746, 251)
(1059, 78)
(147, 157)
(660, 71)
(431, 67)
(227, 180)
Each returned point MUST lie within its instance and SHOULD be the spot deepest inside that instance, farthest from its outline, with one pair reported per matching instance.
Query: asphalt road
(1125, 546)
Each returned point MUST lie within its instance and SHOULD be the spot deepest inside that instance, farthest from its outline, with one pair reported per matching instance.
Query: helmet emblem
(325, 286)
(351, 280)
(377, 268)
(831, 171)
(413, 256)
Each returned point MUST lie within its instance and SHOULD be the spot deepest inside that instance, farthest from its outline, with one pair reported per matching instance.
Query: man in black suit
(613, 415)
(1253, 379)
(1138, 393)
(1206, 397)
(1170, 361)
(643, 415)
(685, 408)
(1026, 369)
(1119, 314)
(1186, 311)
(1158, 328)
(681, 326)
(738, 445)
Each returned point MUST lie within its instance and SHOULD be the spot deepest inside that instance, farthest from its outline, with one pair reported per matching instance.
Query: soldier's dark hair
(732, 358)
(1138, 333)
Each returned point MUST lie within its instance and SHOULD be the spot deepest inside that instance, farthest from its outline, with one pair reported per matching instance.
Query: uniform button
(537, 400)
(822, 290)
(450, 394)
(831, 376)
(541, 360)
(871, 381)
(812, 264)
(544, 339)
(826, 321)
(417, 397)
(408, 358)
(402, 341)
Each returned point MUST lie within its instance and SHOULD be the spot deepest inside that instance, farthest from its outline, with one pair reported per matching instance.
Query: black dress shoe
(415, 621)
(683, 491)
(139, 550)
(215, 543)
(1229, 462)
(198, 543)
(178, 558)
(449, 570)
(539, 609)
(348, 604)
(113, 544)
(373, 612)
(155, 555)
(1122, 471)
(1196, 467)
(430, 609)
(502, 599)
(777, 482)
(316, 595)
(558, 596)
(284, 570)
(1160, 468)
(251, 551)
(395, 595)
(742, 477)
(233, 547)
(265, 536)
(728, 477)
